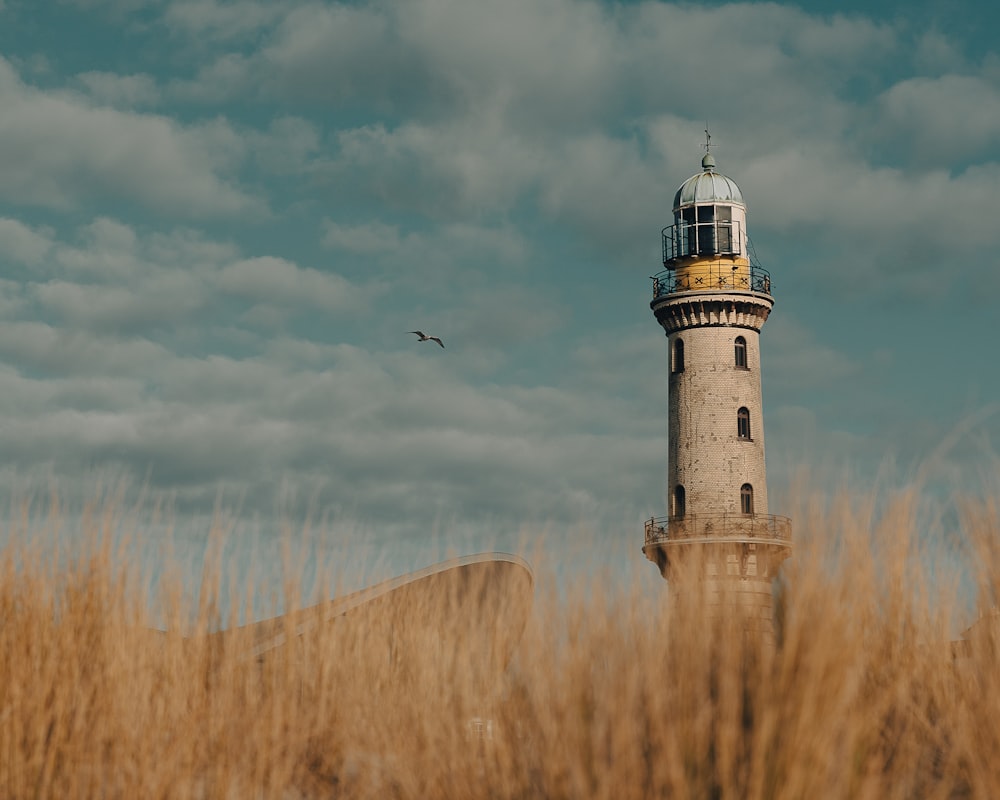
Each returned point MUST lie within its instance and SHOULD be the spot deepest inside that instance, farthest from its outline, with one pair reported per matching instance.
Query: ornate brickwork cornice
(678, 312)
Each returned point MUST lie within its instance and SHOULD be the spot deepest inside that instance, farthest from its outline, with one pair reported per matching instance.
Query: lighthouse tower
(718, 542)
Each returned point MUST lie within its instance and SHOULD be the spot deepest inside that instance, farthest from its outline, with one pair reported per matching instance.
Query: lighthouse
(718, 542)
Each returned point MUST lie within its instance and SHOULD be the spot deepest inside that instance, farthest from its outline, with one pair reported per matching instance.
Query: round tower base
(744, 605)
(718, 583)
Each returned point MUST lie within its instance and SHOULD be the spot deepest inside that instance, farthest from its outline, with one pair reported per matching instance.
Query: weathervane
(708, 160)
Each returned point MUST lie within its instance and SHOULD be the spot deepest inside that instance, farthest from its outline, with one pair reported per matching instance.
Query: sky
(220, 220)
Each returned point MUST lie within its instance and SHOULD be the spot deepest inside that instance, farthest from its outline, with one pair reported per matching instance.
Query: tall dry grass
(607, 693)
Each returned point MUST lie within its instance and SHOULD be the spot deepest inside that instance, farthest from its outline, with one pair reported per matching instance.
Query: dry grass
(607, 695)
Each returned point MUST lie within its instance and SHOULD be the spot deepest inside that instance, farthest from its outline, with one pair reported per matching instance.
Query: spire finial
(707, 161)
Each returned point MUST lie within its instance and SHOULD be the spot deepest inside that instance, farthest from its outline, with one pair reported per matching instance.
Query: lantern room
(706, 247)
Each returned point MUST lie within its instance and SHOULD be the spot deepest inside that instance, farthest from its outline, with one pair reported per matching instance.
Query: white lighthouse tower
(718, 541)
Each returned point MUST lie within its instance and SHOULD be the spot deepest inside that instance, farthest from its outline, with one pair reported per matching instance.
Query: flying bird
(425, 338)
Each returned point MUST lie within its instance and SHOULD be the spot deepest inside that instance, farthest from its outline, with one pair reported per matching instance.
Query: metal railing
(723, 525)
(718, 277)
(714, 238)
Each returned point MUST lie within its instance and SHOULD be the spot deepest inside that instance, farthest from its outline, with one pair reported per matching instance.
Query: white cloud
(501, 316)
(120, 91)
(276, 281)
(376, 427)
(116, 9)
(468, 165)
(115, 278)
(466, 154)
(567, 109)
(817, 453)
(56, 151)
(795, 360)
(287, 146)
(221, 21)
(366, 238)
(22, 243)
(831, 40)
(556, 63)
(334, 52)
(164, 299)
(228, 76)
(873, 225)
(609, 363)
(190, 249)
(937, 53)
(12, 298)
(108, 250)
(438, 252)
(35, 346)
(605, 188)
(941, 119)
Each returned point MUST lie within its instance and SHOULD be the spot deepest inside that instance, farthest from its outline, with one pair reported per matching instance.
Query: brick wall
(705, 454)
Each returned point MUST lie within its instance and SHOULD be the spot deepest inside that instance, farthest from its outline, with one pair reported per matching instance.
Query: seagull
(425, 338)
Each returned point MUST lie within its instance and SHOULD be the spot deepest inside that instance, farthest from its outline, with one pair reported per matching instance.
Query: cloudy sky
(219, 220)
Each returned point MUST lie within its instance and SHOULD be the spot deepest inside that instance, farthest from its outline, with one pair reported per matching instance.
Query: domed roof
(708, 187)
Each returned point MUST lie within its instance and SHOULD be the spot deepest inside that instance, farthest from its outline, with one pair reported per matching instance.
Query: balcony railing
(722, 526)
(709, 238)
(718, 277)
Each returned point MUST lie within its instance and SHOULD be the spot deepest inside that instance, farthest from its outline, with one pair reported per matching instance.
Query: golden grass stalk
(609, 694)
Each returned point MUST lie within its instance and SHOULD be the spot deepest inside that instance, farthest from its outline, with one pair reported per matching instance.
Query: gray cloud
(22, 243)
(41, 347)
(220, 21)
(463, 166)
(378, 432)
(385, 436)
(55, 150)
(115, 279)
(569, 113)
(166, 299)
(941, 119)
(487, 172)
(270, 280)
(108, 250)
(797, 361)
(126, 92)
(227, 77)
(431, 259)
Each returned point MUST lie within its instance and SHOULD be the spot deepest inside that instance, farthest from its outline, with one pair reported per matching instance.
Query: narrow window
(706, 230)
(680, 501)
(741, 353)
(743, 423)
(678, 365)
(746, 498)
(687, 232)
(724, 229)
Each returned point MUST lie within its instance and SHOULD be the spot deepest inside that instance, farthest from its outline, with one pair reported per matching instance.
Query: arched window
(743, 423)
(746, 498)
(678, 360)
(680, 501)
(741, 353)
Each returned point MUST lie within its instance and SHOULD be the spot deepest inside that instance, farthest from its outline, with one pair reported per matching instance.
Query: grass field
(607, 695)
